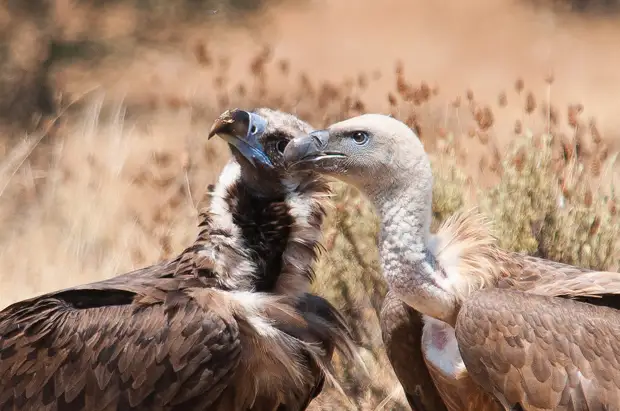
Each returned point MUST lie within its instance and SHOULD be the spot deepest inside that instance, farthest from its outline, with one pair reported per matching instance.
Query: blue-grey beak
(242, 129)
(311, 151)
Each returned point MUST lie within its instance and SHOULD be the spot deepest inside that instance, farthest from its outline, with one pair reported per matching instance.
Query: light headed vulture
(501, 329)
(227, 325)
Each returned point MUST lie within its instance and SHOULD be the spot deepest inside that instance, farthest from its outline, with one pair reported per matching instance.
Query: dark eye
(253, 129)
(281, 145)
(360, 137)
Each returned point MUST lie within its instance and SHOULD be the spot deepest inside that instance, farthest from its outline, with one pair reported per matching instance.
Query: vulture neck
(410, 268)
(260, 243)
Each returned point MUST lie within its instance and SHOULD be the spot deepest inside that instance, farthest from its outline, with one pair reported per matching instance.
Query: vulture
(499, 330)
(227, 325)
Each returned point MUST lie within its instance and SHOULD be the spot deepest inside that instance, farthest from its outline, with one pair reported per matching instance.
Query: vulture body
(226, 325)
(500, 330)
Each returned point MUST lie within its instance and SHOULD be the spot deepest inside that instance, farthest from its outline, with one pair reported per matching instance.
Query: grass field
(117, 182)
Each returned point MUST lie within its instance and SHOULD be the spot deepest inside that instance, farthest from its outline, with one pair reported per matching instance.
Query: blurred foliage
(33, 40)
(554, 215)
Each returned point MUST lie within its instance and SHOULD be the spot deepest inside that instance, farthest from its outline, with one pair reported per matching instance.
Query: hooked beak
(309, 150)
(242, 129)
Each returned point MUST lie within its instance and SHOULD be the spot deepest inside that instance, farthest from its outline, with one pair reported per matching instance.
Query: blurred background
(105, 106)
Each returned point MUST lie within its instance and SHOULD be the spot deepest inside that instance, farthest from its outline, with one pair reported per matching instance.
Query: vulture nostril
(281, 146)
(317, 141)
(320, 138)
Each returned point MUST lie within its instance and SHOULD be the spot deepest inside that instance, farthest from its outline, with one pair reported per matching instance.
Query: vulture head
(257, 140)
(385, 160)
(375, 153)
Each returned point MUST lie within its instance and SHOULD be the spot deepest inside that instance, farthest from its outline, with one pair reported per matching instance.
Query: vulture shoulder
(472, 259)
(541, 352)
(401, 329)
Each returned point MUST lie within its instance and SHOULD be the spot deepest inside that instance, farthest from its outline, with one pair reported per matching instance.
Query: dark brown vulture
(501, 330)
(227, 325)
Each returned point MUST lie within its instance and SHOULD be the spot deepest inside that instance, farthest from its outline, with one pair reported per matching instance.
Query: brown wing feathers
(115, 356)
(563, 355)
(144, 344)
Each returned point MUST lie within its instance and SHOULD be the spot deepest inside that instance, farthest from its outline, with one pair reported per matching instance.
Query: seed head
(596, 224)
(587, 199)
(284, 67)
(595, 166)
(518, 127)
(596, 135)
(519, 159)
(519, 85)
(202, 54)
(502, 99)
(484, 117)
(530, 103)
(612, 206)
(550, 78)
(573, 116)
(392, 99)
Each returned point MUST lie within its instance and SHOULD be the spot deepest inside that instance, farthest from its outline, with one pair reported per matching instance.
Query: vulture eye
(281, 145)
(253, 129)
(360, 137)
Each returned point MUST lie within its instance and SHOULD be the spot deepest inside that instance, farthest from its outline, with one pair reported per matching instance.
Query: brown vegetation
(112, 187)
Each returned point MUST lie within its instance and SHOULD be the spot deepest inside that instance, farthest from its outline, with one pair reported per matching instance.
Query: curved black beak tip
(243, 130)
(231, 122)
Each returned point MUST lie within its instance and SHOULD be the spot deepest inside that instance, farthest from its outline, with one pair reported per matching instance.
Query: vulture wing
(541, 352)
(544, 277)
(132, 347)
(524, 272)
(401, 328)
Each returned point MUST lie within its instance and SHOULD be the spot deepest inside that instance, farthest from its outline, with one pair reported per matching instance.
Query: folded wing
(543, 352)
(96, 350)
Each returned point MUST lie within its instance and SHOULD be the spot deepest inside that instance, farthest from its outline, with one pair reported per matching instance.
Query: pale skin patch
(440, 347)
